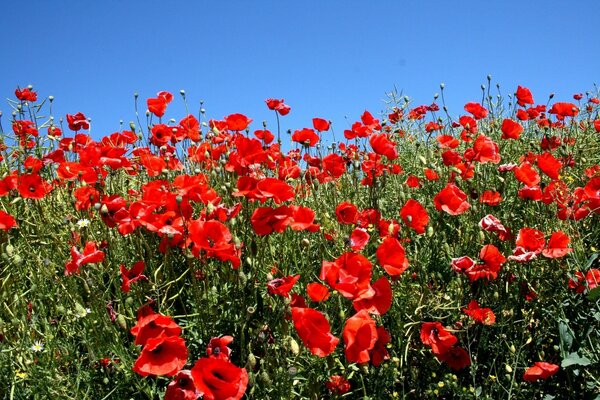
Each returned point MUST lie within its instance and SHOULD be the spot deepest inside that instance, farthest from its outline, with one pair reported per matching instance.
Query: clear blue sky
(329, 59)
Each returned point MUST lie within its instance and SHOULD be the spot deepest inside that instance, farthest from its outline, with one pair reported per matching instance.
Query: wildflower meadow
(411, 254)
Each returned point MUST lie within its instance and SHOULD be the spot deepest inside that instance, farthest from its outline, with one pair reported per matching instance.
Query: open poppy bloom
(381, 301)
(451, 200)
(456, 357)
(153, 325)
(7, 221)
(558, 245)
(434, 335)
(314, 330)
(182, 387)
(415, 216)
(360, 336)
(338, 385)
(90, 255)
(540, 370)
(162, 355)
(218, 379)
(317, 292)
(484, 316)
(282, 286)
(392, 256)
(132, 275)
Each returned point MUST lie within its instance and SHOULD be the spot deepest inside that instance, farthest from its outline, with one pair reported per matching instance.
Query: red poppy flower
(303, 219)
(549, 165)
(217, 347)
(593, 278)
(32, 186)
(321, 124)
(491, 198)
(359, 239)
(153, 325)
(218, 379)
(434, 335)
(314, 331)
(415, 216)
(526, 174)
(490, 223)
(484, 316)
(346, 213)
(557, 245)
(317, 292)
(161, 134)
(7, 221)
(379, 353)
(265, 135)
(530, 242)
(278, 106)
(451, 200)
(90, 255)
(431, 174)
(413, 182)
(338, 385)
(349, 274)
(382, 145)
(360, 336)
(511, 129)
(162, 355)
(392, 256)
(524, 96)
(485, 150)
(564, 109)
(448, 141)
(26, 94)
(381, 301)
(237, 122)
(132, 275)
(305, 136)
(282, 286)
(182, 387)
(266, 220)
(77, 122)
(540, 370)
(456, 357)
(476, 110)
(158, 105)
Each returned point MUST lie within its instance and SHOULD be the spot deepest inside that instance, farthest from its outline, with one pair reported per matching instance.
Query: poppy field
(413, 254)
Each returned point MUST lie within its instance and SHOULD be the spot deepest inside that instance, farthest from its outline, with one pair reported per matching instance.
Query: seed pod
(251, 363)
(121, 322)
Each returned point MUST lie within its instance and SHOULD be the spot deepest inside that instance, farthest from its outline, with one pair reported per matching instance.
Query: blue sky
(329, 59)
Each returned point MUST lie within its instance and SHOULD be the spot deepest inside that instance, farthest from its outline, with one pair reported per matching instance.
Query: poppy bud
(251, 363)
(508, 368)
(265, 379)
(481, 236)
(9, 249)
(429, 231)
(121, 322)
(294, 347)
(17, 260)
(513, 349)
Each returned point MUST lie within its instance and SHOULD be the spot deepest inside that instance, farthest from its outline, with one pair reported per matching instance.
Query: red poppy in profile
(314, 331)
(346, 213)
(413, 182)
(218, 379)
(360, 336)
(540, 370)
(448, 141)
(237, 122)
(558, 245)
(217, 347)
(491, 198)
(265, 135)
(526, 174)
(381, 301)
(158, 105)
(434, 335)
(451, 200)
(549, 165)
(26, 94)
(415, 216)
(338, 385)
(392, 256)
(305, 136)
(282, 286)
(524, 96)
(484, 316)
(278, 106)
(456, 357)
(77, 122)
(321, 124)
(383, 146)
(431, 174)
(162, 355)
(564, 109)
(132, 275)
(484, 150)
(511, 129)
(90, 255)
(530, 242)
(593, 278)
(476, 110)
(182, 387)
(153, 325)
(7, 221)
(317, 292)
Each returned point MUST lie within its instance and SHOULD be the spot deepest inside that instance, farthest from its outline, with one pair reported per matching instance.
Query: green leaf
(566, 337)
(574, 359)
(594, 294)
(591, 260)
